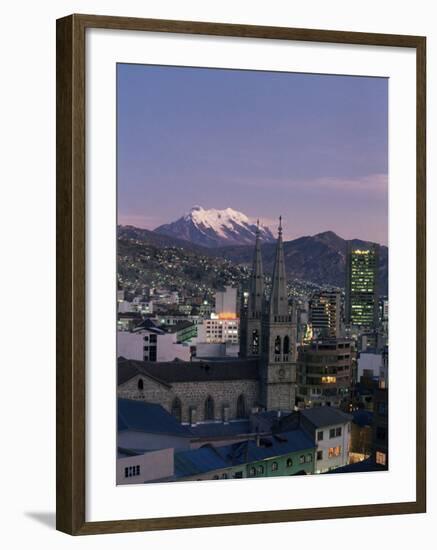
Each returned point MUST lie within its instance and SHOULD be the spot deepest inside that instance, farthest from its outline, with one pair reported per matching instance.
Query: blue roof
(209, 458)
(198, 461)
(148, 417)
(221, 429)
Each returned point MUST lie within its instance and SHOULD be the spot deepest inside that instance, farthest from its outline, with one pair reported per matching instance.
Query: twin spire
(279, 296)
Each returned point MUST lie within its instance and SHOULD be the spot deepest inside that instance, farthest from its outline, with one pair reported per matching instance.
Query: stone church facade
(263, 378)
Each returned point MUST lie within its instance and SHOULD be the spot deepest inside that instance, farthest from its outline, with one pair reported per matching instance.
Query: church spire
(256, 288)
(279, 295)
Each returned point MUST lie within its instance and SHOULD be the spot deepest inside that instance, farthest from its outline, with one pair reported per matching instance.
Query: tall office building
(361, 305)
(325, 314)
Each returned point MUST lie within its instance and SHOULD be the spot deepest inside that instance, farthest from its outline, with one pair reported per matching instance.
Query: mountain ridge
(319, 258)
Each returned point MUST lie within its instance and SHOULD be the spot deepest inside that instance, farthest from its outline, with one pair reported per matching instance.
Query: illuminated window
(381, 458)
(334, 451)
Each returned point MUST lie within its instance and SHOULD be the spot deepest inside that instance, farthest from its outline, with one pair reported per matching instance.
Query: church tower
(252, 311)
(278, 358)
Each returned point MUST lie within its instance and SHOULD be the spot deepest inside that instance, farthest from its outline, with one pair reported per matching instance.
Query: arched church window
(140, 384)
(278, 345)
(241, 407)
(255, 342)
(176, 409)
(286, 345)
(209, 408)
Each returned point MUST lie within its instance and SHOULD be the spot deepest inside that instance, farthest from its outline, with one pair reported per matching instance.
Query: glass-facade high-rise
(362, 286)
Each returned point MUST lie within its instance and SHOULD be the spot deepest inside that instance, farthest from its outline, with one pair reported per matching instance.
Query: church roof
(188, 371)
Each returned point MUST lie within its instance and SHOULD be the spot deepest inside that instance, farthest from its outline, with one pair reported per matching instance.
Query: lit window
(381, 458)
(334, 451)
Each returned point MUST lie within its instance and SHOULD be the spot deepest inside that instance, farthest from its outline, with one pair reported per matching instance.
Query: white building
(137, 304)
(143, 467)
(226, 302)
(217, 331)
(331, 429)
(150, 343)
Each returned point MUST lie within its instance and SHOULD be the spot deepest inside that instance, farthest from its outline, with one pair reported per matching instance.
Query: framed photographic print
(240, 274)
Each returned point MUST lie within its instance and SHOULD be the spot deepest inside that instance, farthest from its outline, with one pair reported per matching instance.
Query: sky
(312, 148)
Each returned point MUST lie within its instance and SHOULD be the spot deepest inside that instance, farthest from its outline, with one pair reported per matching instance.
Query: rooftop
(325, 416)
(149, 418)
(188, 371)
(209, 458)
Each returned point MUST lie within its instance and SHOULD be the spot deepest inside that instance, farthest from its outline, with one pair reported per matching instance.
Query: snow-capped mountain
(211, 227)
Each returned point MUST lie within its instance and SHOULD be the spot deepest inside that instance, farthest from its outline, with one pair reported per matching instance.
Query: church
(263, 377)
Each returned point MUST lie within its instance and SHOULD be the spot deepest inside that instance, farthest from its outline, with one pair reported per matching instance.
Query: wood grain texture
(70, 296)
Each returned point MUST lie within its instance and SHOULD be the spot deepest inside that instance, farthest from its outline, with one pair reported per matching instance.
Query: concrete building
(147, 342)
(325, 372)
(325, 314)
(217, 331)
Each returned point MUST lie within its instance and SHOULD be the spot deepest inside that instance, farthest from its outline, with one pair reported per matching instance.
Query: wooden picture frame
(71, 247)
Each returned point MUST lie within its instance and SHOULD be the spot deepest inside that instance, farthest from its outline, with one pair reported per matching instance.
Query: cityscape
(249, 346)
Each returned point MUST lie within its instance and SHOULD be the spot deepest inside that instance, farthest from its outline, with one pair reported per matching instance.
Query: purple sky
(313, 148)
